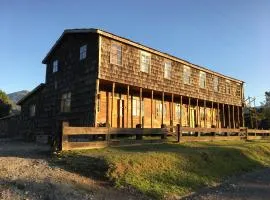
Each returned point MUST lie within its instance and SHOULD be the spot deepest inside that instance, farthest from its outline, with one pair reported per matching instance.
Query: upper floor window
(228, 87)
(238, 90)
(202, 81)
(187, 75)
(55, 66)
(215, 84)
(65, 102)
(83, 51)
(32, 110)
(168, 70)
(145, 61)
(116, 54)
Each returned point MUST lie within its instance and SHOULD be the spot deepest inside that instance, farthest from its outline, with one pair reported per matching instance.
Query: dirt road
(27, 173)
(251, 186)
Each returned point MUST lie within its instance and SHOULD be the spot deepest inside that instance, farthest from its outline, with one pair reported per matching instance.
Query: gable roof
(34, 91)
(136, 44)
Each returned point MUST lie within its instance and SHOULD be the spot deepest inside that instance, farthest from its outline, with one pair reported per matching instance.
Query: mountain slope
(16, 96)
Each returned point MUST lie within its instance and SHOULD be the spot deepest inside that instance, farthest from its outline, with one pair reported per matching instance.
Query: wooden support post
(243, 117)
(107, 109)
(162, 107)
(223, 116)
(197, 112)
(141, 107)
(238, 117)
(181, 111)
(233, 117)
(113, 88)
(127, 104)
(96, 102)
(188, 117)
(218, 116)
(229, 116)
(171, 117)
(204, 108)
(212, 114)
(152, 96)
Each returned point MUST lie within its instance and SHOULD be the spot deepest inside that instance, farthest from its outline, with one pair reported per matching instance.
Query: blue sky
(231, 36)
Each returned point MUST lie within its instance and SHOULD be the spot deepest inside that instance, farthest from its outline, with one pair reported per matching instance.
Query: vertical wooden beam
(233, 116)
(204, 107)
(243, 117)
(197, 112)
(171, 118)
(218, 116)
(238, 117)
(229, 116)
(223, 116)
(107, 109)
(181, 103)
(188, 117)
(96, 103)
(152, 96)
(141, 107)
(212, 114)
(162, 112)
(113, 88)
(127, 104)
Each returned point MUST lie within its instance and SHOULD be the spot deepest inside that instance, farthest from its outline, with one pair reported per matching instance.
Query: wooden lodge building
(96, 78)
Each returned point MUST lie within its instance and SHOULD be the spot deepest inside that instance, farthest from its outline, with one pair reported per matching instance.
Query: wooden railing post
(64, 140)
(178, 133)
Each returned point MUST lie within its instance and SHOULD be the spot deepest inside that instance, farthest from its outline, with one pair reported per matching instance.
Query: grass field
(167, 170)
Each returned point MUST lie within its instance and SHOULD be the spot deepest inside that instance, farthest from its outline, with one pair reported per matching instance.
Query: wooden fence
(100, 137)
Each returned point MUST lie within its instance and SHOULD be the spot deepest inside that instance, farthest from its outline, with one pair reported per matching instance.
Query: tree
(5, 106)
(265, 112)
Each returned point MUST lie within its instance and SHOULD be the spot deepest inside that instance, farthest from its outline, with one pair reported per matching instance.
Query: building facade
(95, 78)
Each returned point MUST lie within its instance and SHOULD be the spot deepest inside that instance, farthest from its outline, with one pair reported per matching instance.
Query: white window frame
(116, 54)
(178, 111)
(238, 90)
(216, 84)
(202, 80)
(228, 87)
(168, 69)
(136, 107)
(187, 75)
(66, 102)
(32, 110)
(83, 52)
(145, 62)
(55, 66)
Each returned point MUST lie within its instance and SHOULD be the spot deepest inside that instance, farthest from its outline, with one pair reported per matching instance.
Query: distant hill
(16, 96)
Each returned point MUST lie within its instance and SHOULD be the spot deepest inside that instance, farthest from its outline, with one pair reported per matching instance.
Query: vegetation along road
(167, 171)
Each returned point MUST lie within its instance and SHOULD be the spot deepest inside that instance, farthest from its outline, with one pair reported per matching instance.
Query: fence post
(139, 136)
(64, 140)
(164, 136)
(178, 133)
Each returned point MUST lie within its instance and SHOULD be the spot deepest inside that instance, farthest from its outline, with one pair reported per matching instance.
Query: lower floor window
(32, 110)
(65, 102)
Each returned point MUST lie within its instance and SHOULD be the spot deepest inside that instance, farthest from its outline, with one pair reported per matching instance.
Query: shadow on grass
(160, 170)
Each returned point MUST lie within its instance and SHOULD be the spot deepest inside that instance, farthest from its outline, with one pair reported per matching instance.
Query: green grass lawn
(164, 170)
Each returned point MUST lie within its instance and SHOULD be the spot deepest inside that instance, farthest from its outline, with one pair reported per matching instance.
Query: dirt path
(251, 186)
(27, 173)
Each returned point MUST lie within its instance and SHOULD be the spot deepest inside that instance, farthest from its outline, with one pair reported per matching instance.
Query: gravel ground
(26, 173)
(250, 186)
